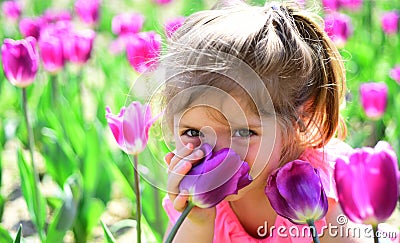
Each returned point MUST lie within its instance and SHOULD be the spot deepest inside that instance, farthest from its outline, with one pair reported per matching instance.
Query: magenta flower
(20, 61)
(11, 9)
(374, 99)
(367, 184)
(162, 2)
(143, 50)
(351, 4)
(88, 10)
(330, 5)
(295, 192)
(52, 16)
(127, 23)
(217, 176)
(51, 52)
(339, 28)
(395, 73)
(131, 126)
(31, 27)
(390, 22)
(172, 25)
(79, 46)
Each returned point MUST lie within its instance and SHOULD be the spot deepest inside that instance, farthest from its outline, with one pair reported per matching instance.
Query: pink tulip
(374, 99)
(31, 27)
(88, 10)
(143, 50)
(351, 4)
(79, 46)
(11, 9)
(172, 25)
(368, 184)
(395, 73)
(20, 61)
(131, 127)
(51, 52)
(162, 2)
(127, 23)
(330, 5)
(390, 22)
(339, 28)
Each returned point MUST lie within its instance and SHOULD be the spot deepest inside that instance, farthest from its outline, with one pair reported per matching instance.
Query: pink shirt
(229, 229)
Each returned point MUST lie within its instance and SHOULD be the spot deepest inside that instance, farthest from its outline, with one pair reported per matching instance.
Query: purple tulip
(295, 192)
(351, 4)
(79, 46)
(367, 184)
(51, 52)
(339, 28)
(390, 22)
(143, 50)
(395, 73)
(131, 126)
(162, 2)
(11, 9)
(88, 10)
(31, 27)
(20, 61)
(172, 25)
(127, 23)
(374, 99)
(217, 176)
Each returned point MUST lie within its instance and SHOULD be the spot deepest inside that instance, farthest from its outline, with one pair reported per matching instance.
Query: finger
(168, 157)
(180, 201)
(175, 176)
(181, 153)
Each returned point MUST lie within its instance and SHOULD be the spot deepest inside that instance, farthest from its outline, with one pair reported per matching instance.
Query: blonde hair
(287, 47)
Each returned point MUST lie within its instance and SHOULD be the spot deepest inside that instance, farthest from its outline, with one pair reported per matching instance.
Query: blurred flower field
(63, 176)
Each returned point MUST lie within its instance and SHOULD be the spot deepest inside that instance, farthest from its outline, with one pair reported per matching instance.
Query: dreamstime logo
(339, 230)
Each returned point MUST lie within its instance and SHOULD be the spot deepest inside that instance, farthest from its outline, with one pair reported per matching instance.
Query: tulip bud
(31, 27)
(88, 10)
(172, 25)
(143, 50)
(217, 176)
(20, 61)
(131, 127)
(351, 4)
(368, 184)
(11, 9)
(295, 192)
(338, 27)
(127, 23)
(374, 99)
(390, 22)
(395, 73)
(79, 47)
(51, 52)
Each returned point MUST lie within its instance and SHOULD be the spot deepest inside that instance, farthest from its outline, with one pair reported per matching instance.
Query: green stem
(54, 88)
(29, 129)
(313, 230)
(178, 223)
(375, 230)
(138, 204)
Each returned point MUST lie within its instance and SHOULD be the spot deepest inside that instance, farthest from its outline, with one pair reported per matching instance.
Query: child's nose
(218, 140)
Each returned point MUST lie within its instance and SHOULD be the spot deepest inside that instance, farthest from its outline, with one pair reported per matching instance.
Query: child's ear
(222, 4)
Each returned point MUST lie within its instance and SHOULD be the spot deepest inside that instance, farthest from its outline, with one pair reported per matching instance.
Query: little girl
(268, 83)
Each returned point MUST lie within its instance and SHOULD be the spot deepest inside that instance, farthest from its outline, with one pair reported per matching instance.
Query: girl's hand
(180, 164)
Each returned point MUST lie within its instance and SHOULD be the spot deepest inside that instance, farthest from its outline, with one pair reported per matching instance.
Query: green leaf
(34, 200)
(5, 236)
(107, 233)
(66, 213)
(18, 237)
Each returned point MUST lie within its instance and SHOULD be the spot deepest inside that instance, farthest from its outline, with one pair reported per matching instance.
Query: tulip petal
(300, 186)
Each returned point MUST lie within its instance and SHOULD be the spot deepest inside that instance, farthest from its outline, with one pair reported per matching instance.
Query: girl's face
(229, 123)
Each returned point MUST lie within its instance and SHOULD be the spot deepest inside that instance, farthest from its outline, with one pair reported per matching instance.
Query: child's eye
(243, 133)
(192, 133)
